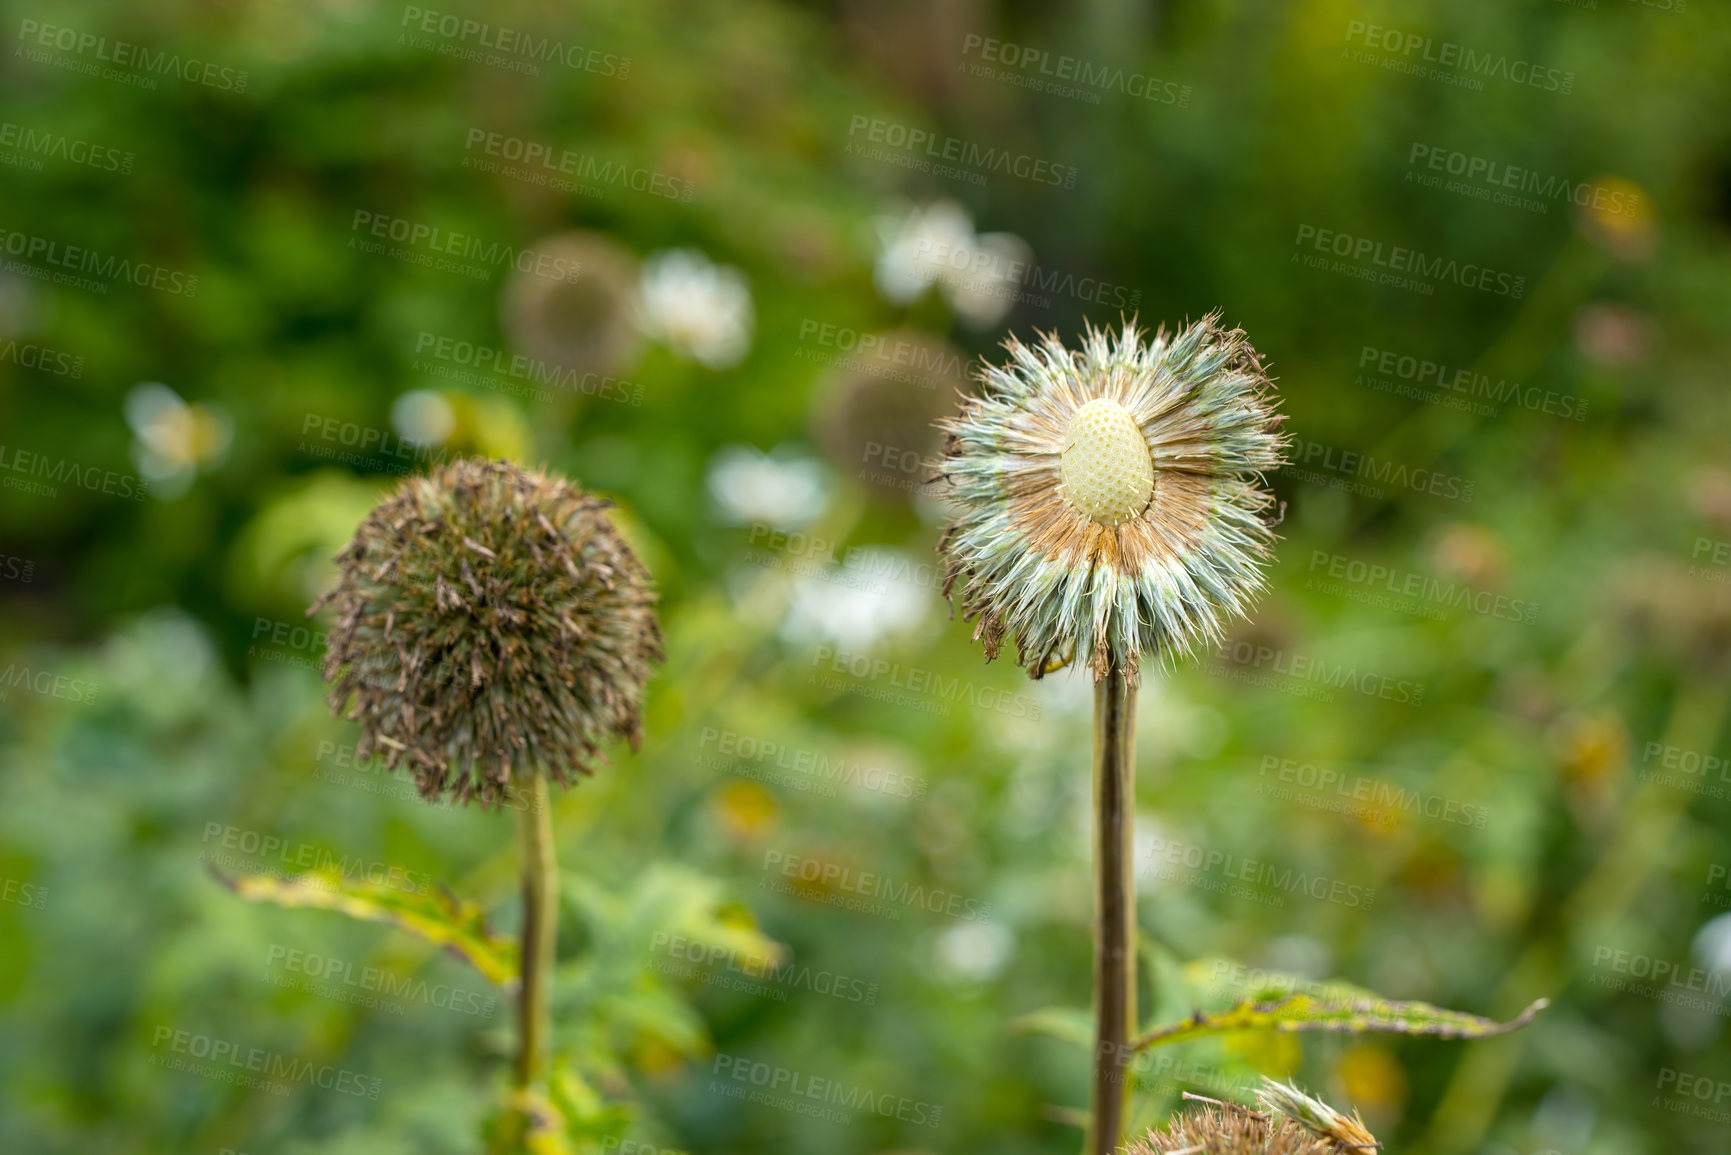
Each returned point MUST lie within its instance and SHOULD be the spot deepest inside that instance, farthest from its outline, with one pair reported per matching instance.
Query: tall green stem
(1114, 907)
(540, 925)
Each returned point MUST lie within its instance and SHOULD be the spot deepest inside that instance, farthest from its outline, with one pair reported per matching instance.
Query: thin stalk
(540, 924)
(1114, 907)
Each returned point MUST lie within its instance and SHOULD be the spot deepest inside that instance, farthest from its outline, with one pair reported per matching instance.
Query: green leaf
(1303, 1012)
(619, 994)
(1071, 1024)
(438, 916)
(569, 1115)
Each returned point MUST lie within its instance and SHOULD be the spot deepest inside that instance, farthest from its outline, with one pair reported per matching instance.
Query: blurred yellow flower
(1374, 1081)
(746, 810)
(1619, 217)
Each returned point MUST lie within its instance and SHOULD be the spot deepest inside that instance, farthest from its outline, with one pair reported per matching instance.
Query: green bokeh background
(207, 717)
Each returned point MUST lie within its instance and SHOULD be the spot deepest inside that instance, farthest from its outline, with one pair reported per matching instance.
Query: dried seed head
(1109, 498)
(491, 624)
(1230, 1131)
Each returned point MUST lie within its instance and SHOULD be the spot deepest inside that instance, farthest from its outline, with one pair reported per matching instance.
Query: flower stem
(1114, 906)
(540, 925)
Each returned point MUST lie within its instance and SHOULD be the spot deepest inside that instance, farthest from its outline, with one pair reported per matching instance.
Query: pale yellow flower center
(1106, 470)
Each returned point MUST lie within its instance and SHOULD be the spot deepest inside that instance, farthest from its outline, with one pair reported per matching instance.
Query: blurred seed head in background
(585, 320)
(877, 416)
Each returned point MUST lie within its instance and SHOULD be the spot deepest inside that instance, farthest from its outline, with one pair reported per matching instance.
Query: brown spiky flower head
(1224, 1131)
(491, 625)
(1293, 1124)
(1110, 497)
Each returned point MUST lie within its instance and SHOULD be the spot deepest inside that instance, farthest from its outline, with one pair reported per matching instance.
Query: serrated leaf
(1071, 1024)
(1312, 1013)
(438, 916)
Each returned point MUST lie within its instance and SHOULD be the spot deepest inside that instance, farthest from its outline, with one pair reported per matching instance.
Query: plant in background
(1110, 506)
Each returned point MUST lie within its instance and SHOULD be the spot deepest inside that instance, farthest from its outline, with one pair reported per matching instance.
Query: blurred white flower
(1713, 944)
(857, 605)
(936, 245)
(974, 951)
(908, 265)
(778, 490)
(423, 417)
(172, 440)
(695, 307)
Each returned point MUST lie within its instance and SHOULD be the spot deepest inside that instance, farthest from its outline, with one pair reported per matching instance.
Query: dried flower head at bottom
(1217, 1131)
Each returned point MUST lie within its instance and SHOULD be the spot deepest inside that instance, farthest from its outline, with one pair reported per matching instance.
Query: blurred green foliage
(1548, 735)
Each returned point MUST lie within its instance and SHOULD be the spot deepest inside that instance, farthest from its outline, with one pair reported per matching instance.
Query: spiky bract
(1317, 1117)
(1104, 583)
(491, 624)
